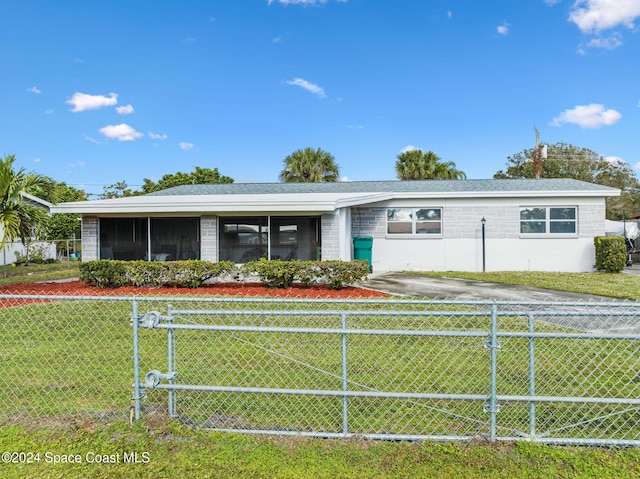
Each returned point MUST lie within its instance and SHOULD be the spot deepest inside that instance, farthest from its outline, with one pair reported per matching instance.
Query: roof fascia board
(35, 199)
(363, 200)
(508, 194)
(294, 203)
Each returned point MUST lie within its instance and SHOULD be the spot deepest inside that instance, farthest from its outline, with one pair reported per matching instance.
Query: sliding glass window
(244, 239)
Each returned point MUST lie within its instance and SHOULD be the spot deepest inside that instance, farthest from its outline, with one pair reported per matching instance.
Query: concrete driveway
(467, 290)
(621, 319)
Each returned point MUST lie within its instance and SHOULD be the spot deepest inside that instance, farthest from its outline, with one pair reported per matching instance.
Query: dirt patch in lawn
(78, 288)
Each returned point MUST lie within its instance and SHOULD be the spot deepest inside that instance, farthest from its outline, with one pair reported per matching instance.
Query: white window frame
(548, 222)
(415, 222)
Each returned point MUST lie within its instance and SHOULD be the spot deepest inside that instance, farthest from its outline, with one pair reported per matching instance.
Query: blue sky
(96, 92)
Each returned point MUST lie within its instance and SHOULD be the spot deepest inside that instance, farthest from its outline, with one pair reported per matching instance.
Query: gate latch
(154, 377)
(151, 319)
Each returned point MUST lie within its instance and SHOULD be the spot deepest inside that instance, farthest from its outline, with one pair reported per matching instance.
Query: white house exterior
(538, 225)
(12, 250)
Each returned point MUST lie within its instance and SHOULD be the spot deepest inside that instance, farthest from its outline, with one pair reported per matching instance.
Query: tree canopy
(18, 216)
(117, 190)
(60, 226)
(200, 176)
(569, 161)
(310, 166)
(425, 165)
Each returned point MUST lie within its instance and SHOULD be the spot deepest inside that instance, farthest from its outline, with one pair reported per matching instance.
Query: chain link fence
(41, 251)
(396, 369)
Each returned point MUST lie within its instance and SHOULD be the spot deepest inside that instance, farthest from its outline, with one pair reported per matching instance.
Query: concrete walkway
(467, 290)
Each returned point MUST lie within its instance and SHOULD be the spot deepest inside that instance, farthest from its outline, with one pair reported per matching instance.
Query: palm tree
(18, 217)
(308, 166)
(419, 165)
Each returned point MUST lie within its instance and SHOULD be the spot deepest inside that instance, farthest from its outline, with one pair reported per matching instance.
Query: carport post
(484, 256)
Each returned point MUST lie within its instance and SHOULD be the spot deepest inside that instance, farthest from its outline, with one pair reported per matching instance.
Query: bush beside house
(611, 253)
(193, 273)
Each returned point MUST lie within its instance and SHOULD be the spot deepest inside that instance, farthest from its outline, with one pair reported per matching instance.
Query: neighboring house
(15, 249)
(540, 225)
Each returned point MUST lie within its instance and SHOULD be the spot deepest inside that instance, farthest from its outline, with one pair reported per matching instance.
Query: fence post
(493, 347)
(171, 361)
(136, 360)
(345, 382)
(532, 379)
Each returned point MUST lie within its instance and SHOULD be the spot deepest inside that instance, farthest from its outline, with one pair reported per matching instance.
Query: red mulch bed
(78, 288)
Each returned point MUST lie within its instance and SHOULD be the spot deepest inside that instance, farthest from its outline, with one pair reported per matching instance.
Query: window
(414, 221)
(549, 220)
(244, 239)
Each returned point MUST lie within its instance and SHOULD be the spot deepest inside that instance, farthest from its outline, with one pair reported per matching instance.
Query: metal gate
(566, 373)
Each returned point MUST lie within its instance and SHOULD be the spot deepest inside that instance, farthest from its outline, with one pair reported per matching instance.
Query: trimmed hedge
(185, 274)
(611, 253)
(193, 273)
(282, 274)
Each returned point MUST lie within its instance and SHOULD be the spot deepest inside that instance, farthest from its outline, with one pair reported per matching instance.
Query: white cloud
(83, 101)
(503, 29)
(409, 148)
(37, 160)
(355, 127)
(607, 43)
(449, 14)
(121, 132)
(92, 140)
(615, 160)
(48, 111)
(186, 146)
(636, 166)
(598, 15)
(125, 109)
(593, 115)
(311, 87)
(77, 164)
(34, 89)
(157, 136)
(344, 179)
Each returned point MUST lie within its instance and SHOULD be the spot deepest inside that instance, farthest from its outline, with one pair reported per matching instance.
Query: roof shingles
(422, 186)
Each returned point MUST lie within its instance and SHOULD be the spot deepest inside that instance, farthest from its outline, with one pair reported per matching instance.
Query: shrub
(282, 274)
(35, 253)
(611, 253)
(186, 274)
(274, 273)
(337, 274)
(104, 273)
(192, 273)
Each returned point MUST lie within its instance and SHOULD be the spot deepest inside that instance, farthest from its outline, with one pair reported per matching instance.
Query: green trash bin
(362, 249)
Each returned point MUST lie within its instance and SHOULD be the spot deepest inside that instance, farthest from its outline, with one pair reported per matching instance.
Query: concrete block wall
(330, 234)
(209, 238)
(464, 221)
(90, 235)
(369, 221)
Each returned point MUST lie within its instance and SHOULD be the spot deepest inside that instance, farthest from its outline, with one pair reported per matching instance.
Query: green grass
(14, 274)
(69, 364)
(168, 450)
(75, 357)
(614, 285)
